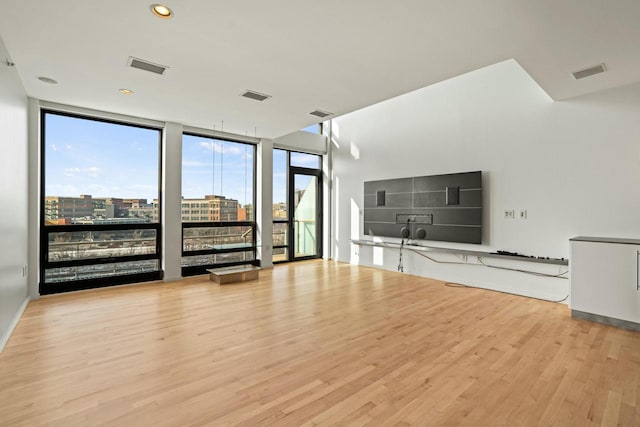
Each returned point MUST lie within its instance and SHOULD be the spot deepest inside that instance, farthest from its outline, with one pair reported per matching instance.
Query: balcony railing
(207, 245)
(94, 255)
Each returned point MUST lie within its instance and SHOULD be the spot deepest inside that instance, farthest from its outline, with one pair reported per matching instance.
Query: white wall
(573, 165)
(13, 198)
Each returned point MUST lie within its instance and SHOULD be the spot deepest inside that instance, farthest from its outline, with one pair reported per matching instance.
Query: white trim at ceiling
(88, 112)
(220, 134)
(303, 141)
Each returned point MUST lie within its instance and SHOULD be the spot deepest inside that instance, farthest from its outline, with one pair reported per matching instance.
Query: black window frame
(45, 230)
(203, 269)
(290, 171)
(286, 220)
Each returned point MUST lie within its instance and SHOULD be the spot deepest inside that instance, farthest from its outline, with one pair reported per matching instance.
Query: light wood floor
(314, 343)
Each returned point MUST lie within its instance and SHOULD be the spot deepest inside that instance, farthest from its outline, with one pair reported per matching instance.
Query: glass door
(305, 227)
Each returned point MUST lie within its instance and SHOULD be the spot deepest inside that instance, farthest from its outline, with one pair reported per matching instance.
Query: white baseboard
(5, 338)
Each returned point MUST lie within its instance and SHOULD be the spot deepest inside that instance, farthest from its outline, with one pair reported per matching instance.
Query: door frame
(317, 173)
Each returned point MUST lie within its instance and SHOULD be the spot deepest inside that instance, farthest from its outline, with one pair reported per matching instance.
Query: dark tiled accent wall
(425, 196)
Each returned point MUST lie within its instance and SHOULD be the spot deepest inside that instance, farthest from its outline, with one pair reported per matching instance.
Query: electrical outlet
(509, 214)
(523, 214)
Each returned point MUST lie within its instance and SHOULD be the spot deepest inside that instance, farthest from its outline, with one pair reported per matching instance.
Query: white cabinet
(605, 276)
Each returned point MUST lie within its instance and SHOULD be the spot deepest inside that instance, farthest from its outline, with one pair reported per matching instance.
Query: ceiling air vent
(256, 96)
(320, 113)
(141, 64)
(589, 72)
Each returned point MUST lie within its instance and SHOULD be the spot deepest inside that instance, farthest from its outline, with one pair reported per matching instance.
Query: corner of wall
(4, 338)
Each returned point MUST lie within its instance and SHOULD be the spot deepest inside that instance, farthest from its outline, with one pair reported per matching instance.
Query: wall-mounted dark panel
(437, 199)
(422, 203)
(457, 216)
(383, 229)
(394, 200)
(384, 215)
(400, 185)
(453, 196)
(454, 234)
(467, 180)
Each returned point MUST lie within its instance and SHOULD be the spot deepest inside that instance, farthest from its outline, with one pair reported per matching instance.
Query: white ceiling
(334, 55)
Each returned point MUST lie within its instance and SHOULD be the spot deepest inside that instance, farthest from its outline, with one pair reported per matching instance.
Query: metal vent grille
(257, 96)
(320, 113)
(147, 66)
(589, 72)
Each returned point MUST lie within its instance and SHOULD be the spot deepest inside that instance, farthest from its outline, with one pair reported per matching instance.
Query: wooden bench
(240, 273)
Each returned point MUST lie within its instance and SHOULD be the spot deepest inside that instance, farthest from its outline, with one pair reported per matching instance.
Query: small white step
(240, 273)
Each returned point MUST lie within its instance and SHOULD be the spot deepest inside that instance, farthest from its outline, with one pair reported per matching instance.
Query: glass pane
(304, 160)
(65, 274)
(279, 184)
(217, 180)
(98, 172)
(75, 245)
(280, 233)
(305, 215)
(204, 260)
(203, 238)
(280, 254)
(313, 129)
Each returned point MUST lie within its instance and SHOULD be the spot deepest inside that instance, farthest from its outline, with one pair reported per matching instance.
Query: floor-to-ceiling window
(297, 206)
(218, 203)
(100, 206)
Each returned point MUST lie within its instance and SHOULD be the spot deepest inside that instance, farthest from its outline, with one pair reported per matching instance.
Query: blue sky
(110, 160)
(101, 159)
(212, 166)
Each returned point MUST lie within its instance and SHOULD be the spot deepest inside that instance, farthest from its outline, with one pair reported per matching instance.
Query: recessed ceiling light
(126, 91)
(161, 11)
(48, 80)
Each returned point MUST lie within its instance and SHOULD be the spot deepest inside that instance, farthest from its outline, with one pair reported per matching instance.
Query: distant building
(139, 208)
(56, 208)
(88, 210)
(251, 216)
(245, 213)
(111, 210)
(280, 210)
(112, 207)
(242, 214)
(211, 208)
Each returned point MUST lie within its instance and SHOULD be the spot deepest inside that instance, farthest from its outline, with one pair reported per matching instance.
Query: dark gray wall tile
(404, 200)
(399, 185)
(441, 182)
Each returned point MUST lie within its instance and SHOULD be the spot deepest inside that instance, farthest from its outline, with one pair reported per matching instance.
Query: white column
(171, 201)
(327, 183)
(264, 201)
(33, 153)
